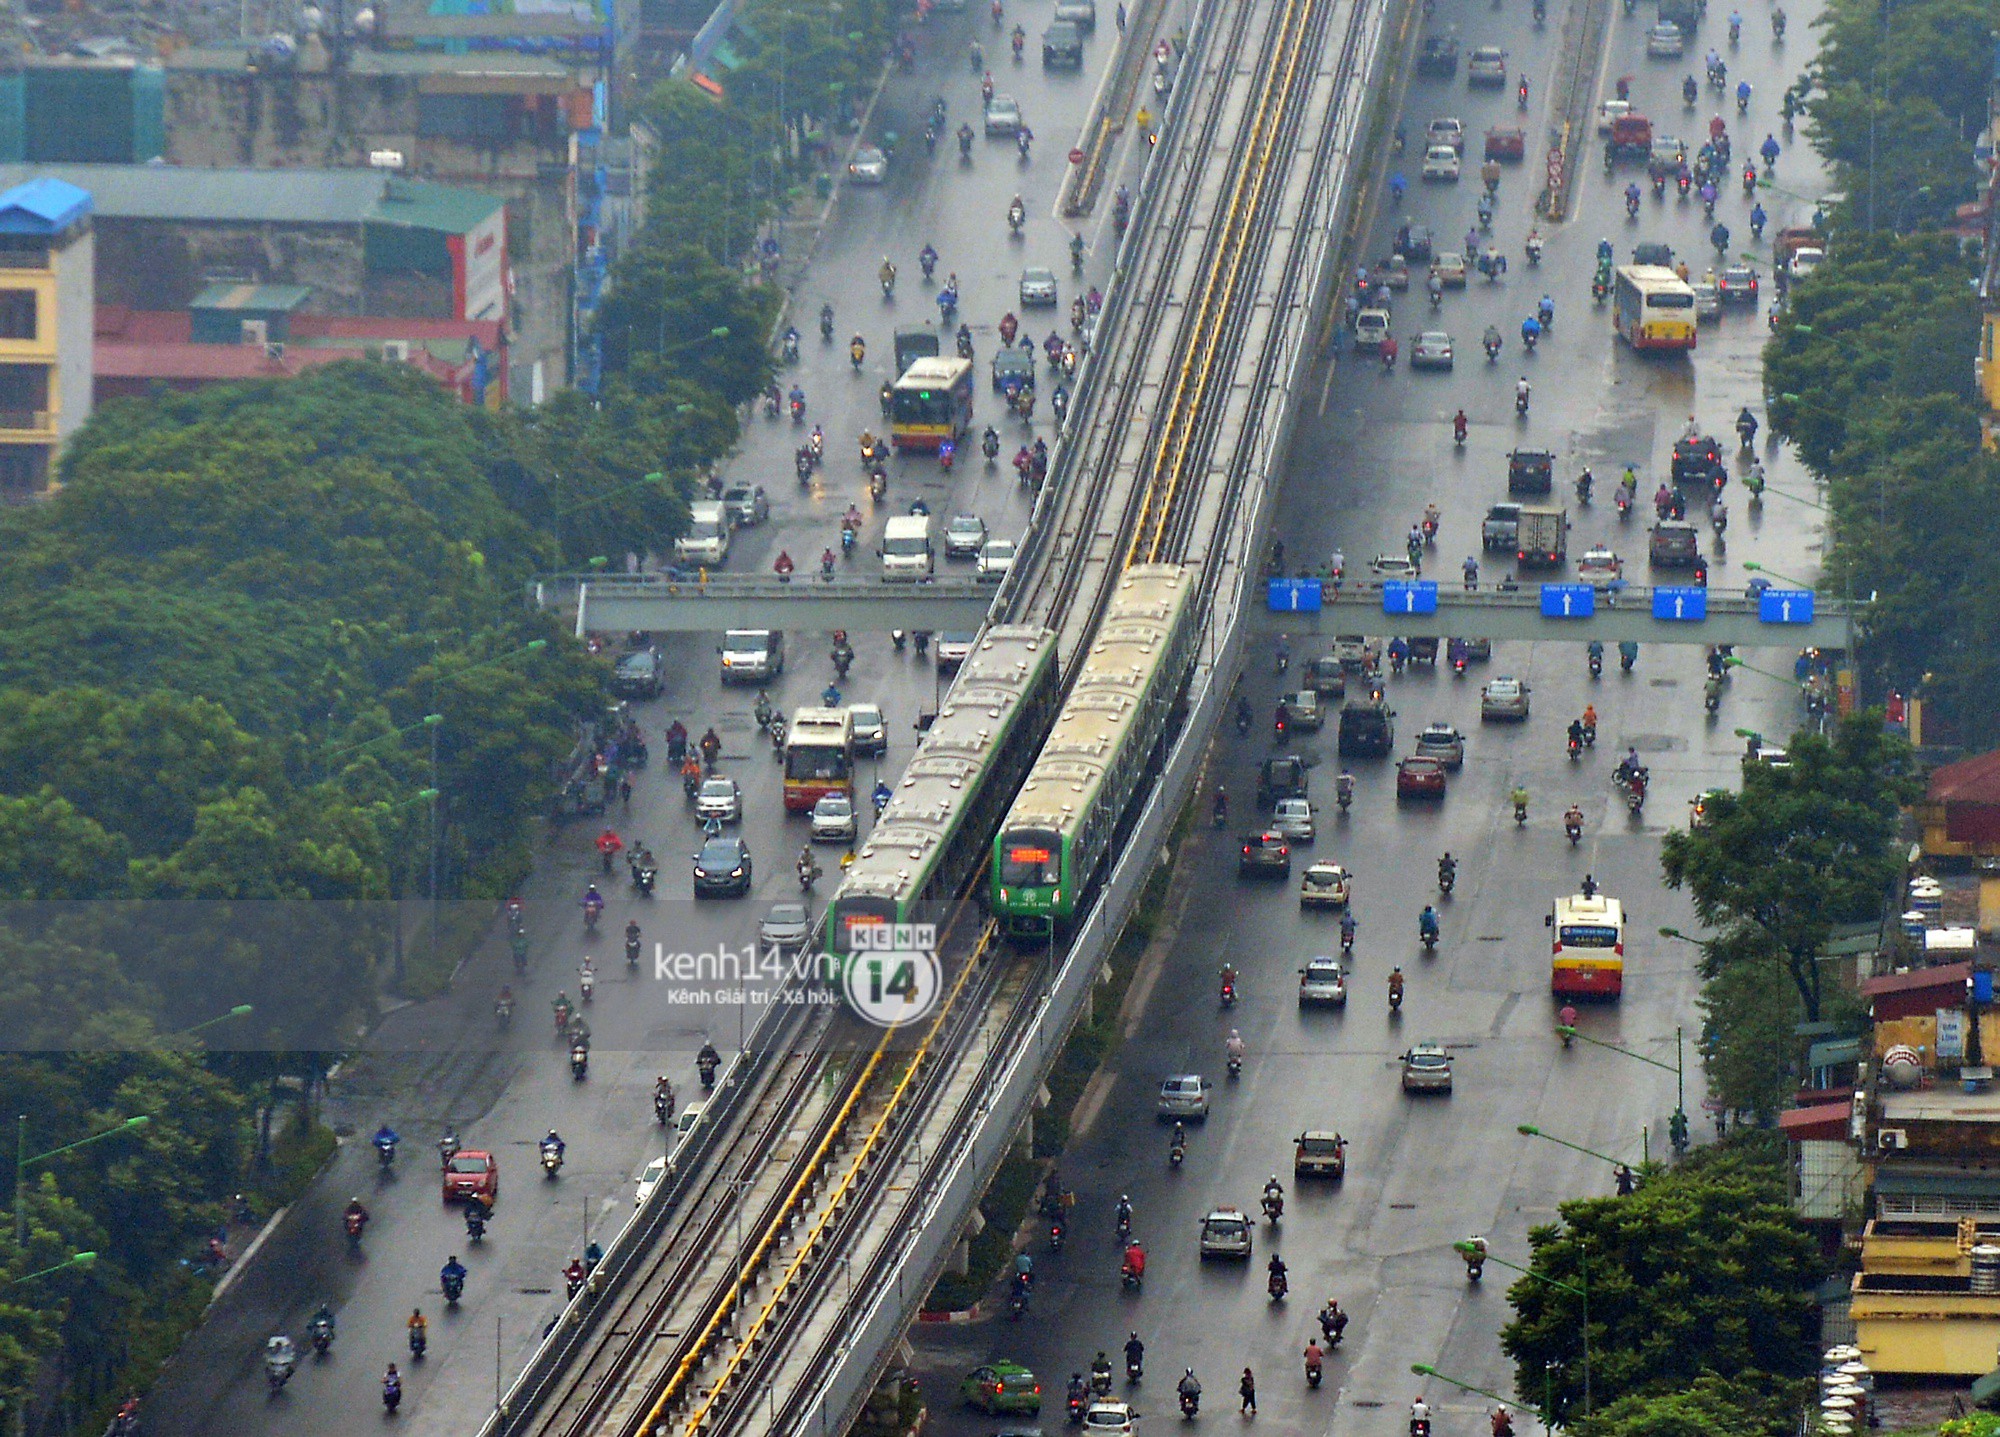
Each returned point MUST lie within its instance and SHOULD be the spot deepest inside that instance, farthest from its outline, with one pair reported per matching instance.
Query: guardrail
(661, 603)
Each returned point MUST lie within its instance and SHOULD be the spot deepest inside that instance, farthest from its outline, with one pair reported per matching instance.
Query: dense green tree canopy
(1752, 1404)
(1702, 1270)
(1798, 850)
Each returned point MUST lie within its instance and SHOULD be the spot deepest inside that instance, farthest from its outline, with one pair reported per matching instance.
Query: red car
(471, 1173)
(1420, 778)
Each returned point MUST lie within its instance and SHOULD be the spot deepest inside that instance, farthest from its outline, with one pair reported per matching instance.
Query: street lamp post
(22, 1162)
(1580, 1288)
(1677, 1122)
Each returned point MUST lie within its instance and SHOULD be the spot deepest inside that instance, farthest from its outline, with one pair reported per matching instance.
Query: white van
(752, 656)
(707, 538)
(906, 551)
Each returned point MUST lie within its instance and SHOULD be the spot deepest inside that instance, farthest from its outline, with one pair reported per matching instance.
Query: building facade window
(17, 314)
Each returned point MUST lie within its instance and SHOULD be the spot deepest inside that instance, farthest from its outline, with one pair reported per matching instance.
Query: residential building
(46, 264)
(57, 109)
(502, 121)
(364, 242)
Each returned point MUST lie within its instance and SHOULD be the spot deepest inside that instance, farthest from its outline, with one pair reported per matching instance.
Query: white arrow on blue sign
(1685, 604)
(1785, 606)
(1568, 601)
(1292, 596)
(1410, 597)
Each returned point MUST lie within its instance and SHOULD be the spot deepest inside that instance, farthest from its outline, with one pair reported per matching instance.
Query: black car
(1654, 253)
(1530, 471)
(1013, 366)
(1367, 729)
(1282, 777)
(638, 675)
(1413, 242)
(722, 868)
(1697, 461)
(1439, 57)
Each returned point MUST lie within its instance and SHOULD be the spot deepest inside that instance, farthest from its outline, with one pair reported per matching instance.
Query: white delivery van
(752, 656)
(707, 538)
(906, 549)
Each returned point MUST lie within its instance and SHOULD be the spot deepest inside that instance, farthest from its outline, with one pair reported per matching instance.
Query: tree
(668, 297)
(1800, 849)
(1750, 1404)
(1751, 1012)
(1697, 1272)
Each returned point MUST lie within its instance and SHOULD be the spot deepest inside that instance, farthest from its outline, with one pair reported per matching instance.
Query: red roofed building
(1961, 808)
(137, 349)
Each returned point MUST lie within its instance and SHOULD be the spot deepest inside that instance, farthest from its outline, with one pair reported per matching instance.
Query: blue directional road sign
(1685, 604)
(1785, 606)
(1292, 596)
(1568, 601)
(1406, 597)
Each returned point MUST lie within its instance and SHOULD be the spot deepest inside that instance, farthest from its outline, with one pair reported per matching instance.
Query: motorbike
(1520, 815)
(1521, 402)
(418, 1342)
(1573, 831)
(1056, 1234)
(475, 1221)
(552, 1160)
(1190, 1404)
(1313, 1368)
(320, 1334)
(1075, 1408)
(385, 1153)
(1596, 664)
(1534, 248)
(579, 1062)
(1235, 1066)
(1447, 876)
(354, 1223)
(503, 1013)
(1133, 1370)
(706, 1067)
(453, 1285)
(1428, 936)
(1278, 1286)
(1274, 1206)
(789, 349)
(1228, 993)
(1176, 1152)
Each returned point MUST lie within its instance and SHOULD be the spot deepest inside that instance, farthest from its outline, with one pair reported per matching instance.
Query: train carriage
(1102, 747)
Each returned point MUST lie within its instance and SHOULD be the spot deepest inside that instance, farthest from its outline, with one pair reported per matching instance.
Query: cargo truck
(1541, 536)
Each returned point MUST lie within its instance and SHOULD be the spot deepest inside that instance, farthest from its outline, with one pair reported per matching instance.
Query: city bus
(931, 403)
(1587, 947)
(1652, 307)
(819, 757)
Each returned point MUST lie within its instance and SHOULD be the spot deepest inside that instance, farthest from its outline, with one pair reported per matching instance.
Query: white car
(1371, 327)
(1805, 261)
(1185, 1095)
(1441, 163)
(1293, 817)
(1665, 41)
(1324, 885)
(652, 1177)
(1392, 566)
(833, 819)
(1225, 1232)
(686, 1123)
(996, 557)
(1707, 300)
(868, 167)
(719, 798)
(1600, 568)
(1003, 115)
(1504, 698)
(1107, 1419)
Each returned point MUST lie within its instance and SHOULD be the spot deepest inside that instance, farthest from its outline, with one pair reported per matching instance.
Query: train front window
(1029, 858)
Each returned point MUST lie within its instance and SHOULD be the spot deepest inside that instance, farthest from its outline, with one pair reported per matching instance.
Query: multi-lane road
(445, 1062)
(1424, 1173)
(1421, 1174)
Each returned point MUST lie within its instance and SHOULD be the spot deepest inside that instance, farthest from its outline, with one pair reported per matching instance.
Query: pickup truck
(1788, 242)
(1631, 138)
(1530, 471)
(1501, 527)
(1439, 56)
(1543, 536)
(1673, 545)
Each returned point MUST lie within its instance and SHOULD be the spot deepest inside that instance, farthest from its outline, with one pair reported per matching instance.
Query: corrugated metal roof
(41, 205)
(258, 297)
(247, 196)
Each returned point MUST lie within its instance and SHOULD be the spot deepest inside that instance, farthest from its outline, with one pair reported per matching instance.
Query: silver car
(785, 929)
(868, 167)
(1504, 698)
(871, 732)
(719, 798)
(1427, 1069)
(1226, 1232)
(1322, 983)
(833, 819)
(1293, 817)
(1442, 742)
(1003, 115)
(1185, 1095)
(1038, 288)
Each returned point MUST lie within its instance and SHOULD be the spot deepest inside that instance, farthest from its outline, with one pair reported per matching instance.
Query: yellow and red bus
(819, 757)
(1587, 947)
(931, 403)
(1652, 307)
